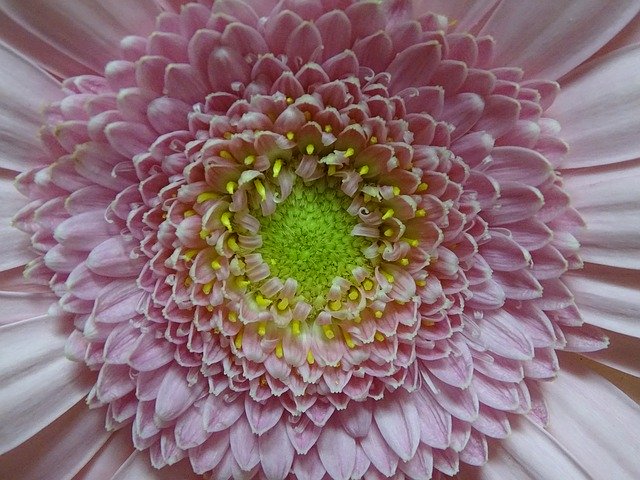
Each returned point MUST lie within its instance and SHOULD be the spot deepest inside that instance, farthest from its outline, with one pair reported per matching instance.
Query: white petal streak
(622, 354)
(597, 108)
(594, 421)
(139, 467)
(526, 31)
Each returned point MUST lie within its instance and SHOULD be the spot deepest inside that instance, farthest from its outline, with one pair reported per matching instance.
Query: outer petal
(109, 458)
(463, 15)
(526, 31)
(622, 354)
(598, 111)
(138, 467)
(590, 416)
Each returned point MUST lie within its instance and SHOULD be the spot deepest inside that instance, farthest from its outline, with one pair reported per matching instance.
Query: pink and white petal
(629, 35)
(86, 31)
(608, 297)
(38, 384)
(138, 467)
(525, 31)
(21, 110)
(463, 15)
(18, 306)
(597, 423)
(60, 450)
(607, 198)
(529, 453)
(106, 462)
(598, 112)
(622, 354)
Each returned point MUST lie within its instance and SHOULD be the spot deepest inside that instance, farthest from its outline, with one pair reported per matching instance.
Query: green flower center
(308, 238)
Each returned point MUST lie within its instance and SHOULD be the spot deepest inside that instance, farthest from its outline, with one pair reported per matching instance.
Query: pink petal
(414, 66)
(462, 15)
(109, 458)
(620, 355)
(276, 453)
(175, 394)
(138, 466)
(244, 444)
(337, 450)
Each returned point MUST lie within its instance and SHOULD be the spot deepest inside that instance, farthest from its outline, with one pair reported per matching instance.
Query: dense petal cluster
(311, 238)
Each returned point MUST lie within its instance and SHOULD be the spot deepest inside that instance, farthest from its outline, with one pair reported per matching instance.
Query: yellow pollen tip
(238, 340)
(263, 302)
(363, 170)
(277, 166)
(225, 219)
(233, 244)
(350, 152)
(396, 191)
(310, 149)
(295, 327)
(310, 358)
(204, 233)
(209, 308)
(187, 282)
(291, 135)
(307, 115)
(289, 100)
(249, 159)
(357, 319)
(227, 135)
(189, 213)
(331, 170)
(207, 287)
(328, 332)
(243, 283)
(233, 317)
(421, 212)
(423, 187)
(404, 262)
(379, 336)
(412, 242)
(189, 254)
(353, 294)
(421, 283)
(279, 350)
(225, 154)
(373, 140)
(388, 214)
(204, 196)
(260, 189)
(335, 305)
(367, 285)
(347, 339)
(231, 187)
(262, 329)
(328, 128)
(388, 276)
(216, 265)
(283, 304)
(377, 314)
(388, 232)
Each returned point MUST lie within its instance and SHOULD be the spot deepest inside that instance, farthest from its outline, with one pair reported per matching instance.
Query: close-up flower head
(319, 239)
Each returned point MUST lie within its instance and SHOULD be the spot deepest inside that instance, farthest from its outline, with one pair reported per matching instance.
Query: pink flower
(319, 239)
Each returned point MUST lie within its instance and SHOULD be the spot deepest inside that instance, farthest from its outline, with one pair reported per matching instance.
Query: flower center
(308, 238)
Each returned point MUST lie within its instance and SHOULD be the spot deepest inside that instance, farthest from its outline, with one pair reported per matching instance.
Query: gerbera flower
(319, 239)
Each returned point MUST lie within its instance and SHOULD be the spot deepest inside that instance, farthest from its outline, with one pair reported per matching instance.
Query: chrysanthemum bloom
(319, 239)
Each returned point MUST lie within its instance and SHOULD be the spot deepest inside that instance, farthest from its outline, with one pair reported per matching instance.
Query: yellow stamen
(289, 100)
(363, 170)
(242, 283)
(233, 244)
(421, 283)
(388, 276)
(423, 187)
(310, 358)
(331, 170)
(260, 188)
(396, 191)
(328, 332)
(277, 166)
(209, 308)
(347, 339)
(328, 128)
(373, 140)
(225, 219)
(404, 262)
(204, 196)
(188, 281)
(231, 187)
(379, 336)
(295, 327)
(262, 329)
(216, 265)
(350, 152)
(225, 154)
(204, 233)
(367, 285)
(279, 350)
(307, 115)
(189, 254)
(233, 317)
(335, 305)
(412, 242)
(291, 135)
(388, 214)
(421, 212)
(227, 135)
(249, 159)
(263, 302)
(357, 319)
(377, 314)
(207, 287)
(388, 232)
(353, 294)
(310, 149)
(238, 341)
(189, 213)
(283, 304)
